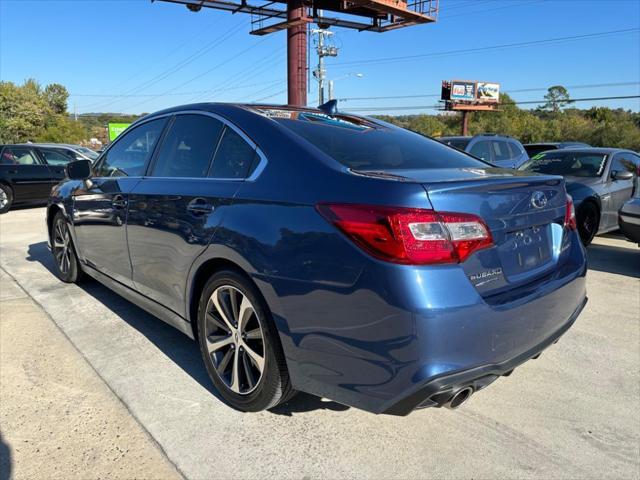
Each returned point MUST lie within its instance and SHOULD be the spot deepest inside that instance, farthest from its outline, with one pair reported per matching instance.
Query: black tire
(588, 218)
(64, 253)
(272, 386)
(6, 198)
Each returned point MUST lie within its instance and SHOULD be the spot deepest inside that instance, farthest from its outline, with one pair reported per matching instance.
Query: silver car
(600, 180)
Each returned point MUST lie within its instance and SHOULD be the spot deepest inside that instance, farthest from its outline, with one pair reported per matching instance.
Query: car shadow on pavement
(611, 259)
(5, 460)
(183, 351)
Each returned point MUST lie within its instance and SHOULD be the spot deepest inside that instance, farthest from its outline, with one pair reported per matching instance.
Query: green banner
(116, 129)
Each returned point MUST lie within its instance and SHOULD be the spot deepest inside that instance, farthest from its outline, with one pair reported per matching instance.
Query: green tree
(57, 96)
(557, 97)
(23, 111)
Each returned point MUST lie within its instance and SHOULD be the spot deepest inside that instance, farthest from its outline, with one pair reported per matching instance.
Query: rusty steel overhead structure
(270, 16)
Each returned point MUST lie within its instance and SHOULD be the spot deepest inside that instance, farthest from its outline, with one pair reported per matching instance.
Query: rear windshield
(573, 164)
(362, 145)
(533, 150)
(460, 143)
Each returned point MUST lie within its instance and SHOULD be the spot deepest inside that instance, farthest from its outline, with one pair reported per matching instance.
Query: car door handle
(199, 206)
(118, 202)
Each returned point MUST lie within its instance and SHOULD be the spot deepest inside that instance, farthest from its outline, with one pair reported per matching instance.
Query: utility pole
(465, 123)
(297, 54)
(323, 49)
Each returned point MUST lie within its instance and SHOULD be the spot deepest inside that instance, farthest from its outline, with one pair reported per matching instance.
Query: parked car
(600, 180)
(499, 150)
(629, 217)
(535, 148)
(76, 152)
(333, 254)
(28, 171)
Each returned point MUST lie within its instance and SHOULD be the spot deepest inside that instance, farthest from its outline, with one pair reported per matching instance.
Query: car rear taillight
(410, 235)
(570, 215)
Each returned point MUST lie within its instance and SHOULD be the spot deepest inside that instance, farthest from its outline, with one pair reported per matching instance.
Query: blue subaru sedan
(310, 250)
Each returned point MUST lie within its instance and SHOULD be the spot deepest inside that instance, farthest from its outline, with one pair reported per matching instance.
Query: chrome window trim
(251, 178)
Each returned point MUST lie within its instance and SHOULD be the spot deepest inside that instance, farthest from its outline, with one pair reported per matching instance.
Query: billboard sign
(477, 93)
(463, 91)
(116, 129)
(488, 92)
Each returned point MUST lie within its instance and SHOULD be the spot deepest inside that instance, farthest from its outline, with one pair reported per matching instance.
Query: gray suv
(500, 150)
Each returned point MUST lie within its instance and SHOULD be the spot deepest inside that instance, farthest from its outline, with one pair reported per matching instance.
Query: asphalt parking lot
(573, 413)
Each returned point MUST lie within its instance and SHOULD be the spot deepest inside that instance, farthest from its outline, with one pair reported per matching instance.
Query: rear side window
(516, 150)
(56, 157)
(481, 150)
(501, 150)
(188, 147)
(235, 158)
(129, 155)
(18, 156)
(361, 145)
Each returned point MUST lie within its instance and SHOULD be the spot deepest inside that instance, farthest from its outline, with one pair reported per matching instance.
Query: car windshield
(460, 143)
(88, 152)
(572, 164)
(363, 145)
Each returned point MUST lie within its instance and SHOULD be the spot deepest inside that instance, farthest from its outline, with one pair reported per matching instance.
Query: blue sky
(162, 55)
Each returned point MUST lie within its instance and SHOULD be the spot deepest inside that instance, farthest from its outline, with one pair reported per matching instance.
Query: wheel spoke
(218, 323)
(246, 309)
(216, 302)
(233, 299)
(246, 363)
(235, 374)
(216, 343)
(224, 363)
(257, 360)
(255, 334)
(57, 243)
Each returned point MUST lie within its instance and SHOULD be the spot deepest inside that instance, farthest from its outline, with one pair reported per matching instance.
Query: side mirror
(79, 170)
(622, 175)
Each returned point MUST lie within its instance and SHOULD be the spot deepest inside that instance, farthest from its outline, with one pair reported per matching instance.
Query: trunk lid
(525, 213)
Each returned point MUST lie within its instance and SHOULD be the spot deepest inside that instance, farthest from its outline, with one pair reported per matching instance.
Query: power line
(521, 90)
(206, 72)
(528, 102)
(181, 64)
(479, 12)
(405, 58)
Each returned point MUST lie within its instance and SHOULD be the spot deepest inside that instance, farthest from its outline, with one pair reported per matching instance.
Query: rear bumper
(427, 395)
(630, 225)
(399, 334)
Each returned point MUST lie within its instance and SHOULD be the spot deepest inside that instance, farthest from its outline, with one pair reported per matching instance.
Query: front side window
(235, 158)
(573, 164)
(129, 155)
(481, 150)
(56, 157)
(624, 162)
(188, 147)
(18, 156)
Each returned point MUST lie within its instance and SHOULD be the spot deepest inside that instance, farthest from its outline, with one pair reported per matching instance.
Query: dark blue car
(326, 253)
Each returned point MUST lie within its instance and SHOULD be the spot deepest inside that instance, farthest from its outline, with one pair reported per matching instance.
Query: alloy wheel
(4, 199)
(62, 247)
(235, 339)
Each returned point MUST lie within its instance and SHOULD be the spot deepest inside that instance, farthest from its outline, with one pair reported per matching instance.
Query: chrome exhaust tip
(460, 397)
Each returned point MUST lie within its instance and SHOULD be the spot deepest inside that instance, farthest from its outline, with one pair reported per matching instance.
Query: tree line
(30, 112)
(556, 121)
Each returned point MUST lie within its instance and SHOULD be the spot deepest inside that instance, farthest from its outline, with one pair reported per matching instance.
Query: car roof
(555, 144)
(602, 150)
(49, 145)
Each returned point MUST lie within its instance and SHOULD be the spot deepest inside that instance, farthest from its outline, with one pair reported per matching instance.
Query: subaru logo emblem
(538, 200)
